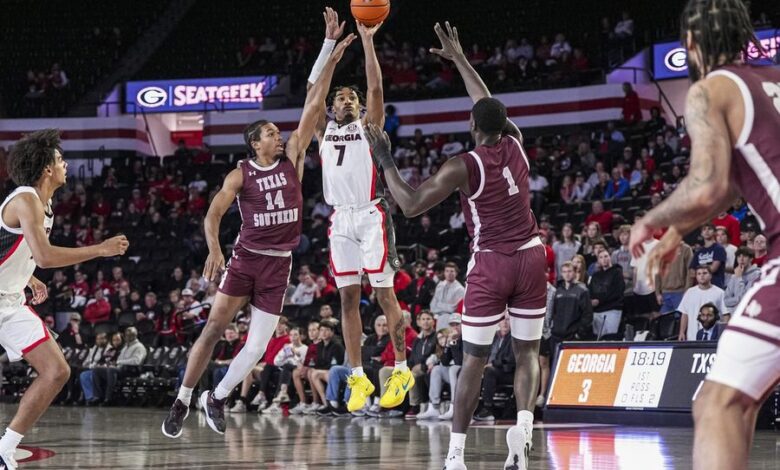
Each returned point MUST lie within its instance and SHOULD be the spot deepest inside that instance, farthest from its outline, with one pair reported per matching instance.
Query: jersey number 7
(342, 149)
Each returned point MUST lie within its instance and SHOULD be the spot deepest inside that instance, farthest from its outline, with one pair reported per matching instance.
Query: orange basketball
(370, 12)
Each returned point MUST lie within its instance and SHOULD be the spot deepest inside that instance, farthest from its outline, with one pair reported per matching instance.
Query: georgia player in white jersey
(362, 240)
(36, 165)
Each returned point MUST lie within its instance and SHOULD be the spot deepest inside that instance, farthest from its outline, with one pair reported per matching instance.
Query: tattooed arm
(706, 190)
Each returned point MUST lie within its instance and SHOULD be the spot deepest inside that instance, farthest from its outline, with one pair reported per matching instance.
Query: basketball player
(37, 167)
(732, 114)
(267, 187)
(507, 267)
(362, 240)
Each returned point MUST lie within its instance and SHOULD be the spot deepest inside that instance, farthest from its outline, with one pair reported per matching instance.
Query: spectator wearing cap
(446, 371)
(760, 250)
(745, 275)
(711, 255)
(187, 316)
(708, 319)
(98, 309)
(70, 336)
(447, 295)
(703, 292)
(602, 217)
(330, 352)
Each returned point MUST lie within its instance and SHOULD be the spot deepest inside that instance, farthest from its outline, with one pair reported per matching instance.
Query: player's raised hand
(367, 32)
(450, 42)
(215, 264)
(115, 246)
(39, 290)
(338, 51)
(379, 142)
(640, 233)
(333, 29)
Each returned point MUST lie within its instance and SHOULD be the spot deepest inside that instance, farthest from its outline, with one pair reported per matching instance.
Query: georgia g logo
(151, 97)
(676, 60)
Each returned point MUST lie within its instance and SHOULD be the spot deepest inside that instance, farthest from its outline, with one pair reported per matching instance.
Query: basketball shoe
(360, 388)
(396, 388)
(7, 461)
(215, 411)
(518, 439)
(173, 424)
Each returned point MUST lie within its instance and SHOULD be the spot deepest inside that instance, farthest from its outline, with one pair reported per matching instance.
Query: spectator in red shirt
(98, 309)
(100, 206)
(724, 219)
(196, 204)
(647, 160)
(264, 370)
(79, 289)
(759, 247)
(403, 77)
(401, 281)
(632, 112)
(101, 283)
(550, 254)
(601, 217)
(328, 291)
(118, 277)
(173, 193)
(139, 202)
(579, 62)
(657, 186)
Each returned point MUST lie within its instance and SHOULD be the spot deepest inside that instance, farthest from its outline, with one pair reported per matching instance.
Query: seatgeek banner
(670, 59)
(207, 94)
(633, 376)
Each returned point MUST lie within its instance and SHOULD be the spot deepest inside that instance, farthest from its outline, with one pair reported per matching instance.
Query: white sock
(358, 371)
(401, 365)
(220, 393)
(457, 444)
(185, 395)
(525, 419)
(10, 441)
(334, 404)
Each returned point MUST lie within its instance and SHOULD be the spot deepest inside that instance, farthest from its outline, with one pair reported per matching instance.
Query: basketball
(370, 12)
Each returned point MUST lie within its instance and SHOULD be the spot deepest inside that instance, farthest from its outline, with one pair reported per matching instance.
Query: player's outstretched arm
(333, 31)
(215, 262)
(29, 209)
(375, 95)
(476, 88)
(706, 190)
(434, 190)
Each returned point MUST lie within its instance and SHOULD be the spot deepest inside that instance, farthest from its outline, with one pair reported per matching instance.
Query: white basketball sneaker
(518, 439)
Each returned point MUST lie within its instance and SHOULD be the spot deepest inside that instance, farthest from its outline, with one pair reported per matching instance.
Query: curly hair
(31, 155)
(337, 89)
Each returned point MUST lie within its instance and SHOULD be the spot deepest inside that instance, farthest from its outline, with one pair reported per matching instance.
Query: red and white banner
(569, 106)
(84, 134)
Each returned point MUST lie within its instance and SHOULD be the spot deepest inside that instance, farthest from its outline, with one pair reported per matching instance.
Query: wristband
(327, 47)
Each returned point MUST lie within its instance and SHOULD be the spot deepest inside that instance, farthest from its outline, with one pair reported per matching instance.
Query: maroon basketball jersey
(271, 206)
(755, 166)
(498, 212)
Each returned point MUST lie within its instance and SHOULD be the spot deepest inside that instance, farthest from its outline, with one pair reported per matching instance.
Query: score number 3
(586, 384)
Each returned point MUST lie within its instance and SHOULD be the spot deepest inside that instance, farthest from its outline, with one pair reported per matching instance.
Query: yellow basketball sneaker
(360, 388)
(397, 386)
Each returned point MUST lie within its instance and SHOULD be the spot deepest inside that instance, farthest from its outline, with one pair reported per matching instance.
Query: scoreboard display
(630, 376)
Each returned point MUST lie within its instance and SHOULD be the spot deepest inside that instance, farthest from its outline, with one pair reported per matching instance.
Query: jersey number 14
(277, 200)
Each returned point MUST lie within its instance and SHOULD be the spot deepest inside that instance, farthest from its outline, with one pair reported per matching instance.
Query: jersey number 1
(341, 149)
(513, 189)
(773, 90)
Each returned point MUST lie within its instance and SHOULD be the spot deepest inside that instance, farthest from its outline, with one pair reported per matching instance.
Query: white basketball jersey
(348, 173)
(16, 261)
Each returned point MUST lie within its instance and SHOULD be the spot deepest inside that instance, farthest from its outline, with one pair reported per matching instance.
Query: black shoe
(215, 411)
(484, 415)
(341, 411)
(327, 411)
(173, 425)
(93, 402)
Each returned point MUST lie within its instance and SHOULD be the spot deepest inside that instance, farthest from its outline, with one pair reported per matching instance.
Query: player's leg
(23, 335)
(526, 319)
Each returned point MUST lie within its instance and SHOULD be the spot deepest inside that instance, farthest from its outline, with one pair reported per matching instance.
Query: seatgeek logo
(152, 97)
(676, 60)
(207, 94)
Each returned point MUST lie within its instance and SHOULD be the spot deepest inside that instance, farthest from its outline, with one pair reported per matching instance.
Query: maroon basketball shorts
(748, 356)
(262, 277)
(496, 284)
